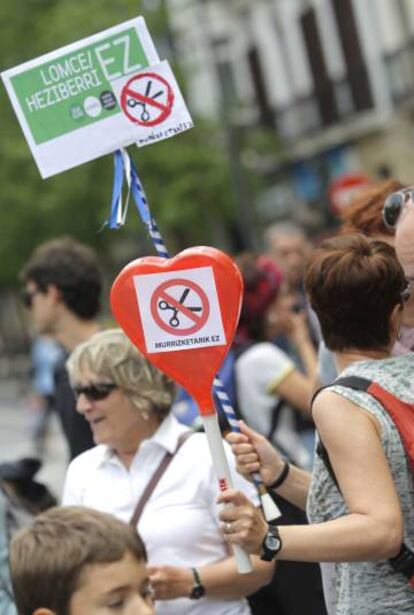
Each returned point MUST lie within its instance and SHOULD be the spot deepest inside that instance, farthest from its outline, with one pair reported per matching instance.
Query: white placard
(179, 310)
(64, 99)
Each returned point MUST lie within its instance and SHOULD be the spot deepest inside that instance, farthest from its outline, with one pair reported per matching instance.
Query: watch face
(272, 542)
(271, 545)
(197, 592)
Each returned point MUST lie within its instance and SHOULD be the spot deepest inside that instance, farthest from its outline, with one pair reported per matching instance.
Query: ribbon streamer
(116, 216)
(270, 510)
(125, 166)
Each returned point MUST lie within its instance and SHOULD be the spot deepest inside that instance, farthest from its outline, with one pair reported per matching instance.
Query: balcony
(331, 104)
(303, 118)
(399, 67)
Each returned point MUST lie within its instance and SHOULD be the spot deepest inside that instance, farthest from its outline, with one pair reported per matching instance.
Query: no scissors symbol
(180, 307)
(147, 99)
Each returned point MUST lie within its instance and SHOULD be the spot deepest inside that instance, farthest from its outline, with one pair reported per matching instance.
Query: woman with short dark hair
(360, 497)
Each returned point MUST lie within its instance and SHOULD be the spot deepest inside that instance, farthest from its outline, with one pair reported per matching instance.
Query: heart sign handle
(182, 314)
(221, 467)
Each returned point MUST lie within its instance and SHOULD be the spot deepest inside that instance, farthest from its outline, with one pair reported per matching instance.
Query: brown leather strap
(164, 463)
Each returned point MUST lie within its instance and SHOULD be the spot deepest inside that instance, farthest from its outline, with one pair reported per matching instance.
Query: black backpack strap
(404, 563)
(352, 382)
(320, 448)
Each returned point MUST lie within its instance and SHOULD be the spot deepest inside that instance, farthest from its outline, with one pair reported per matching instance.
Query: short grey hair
(111, 356)
(282, 228)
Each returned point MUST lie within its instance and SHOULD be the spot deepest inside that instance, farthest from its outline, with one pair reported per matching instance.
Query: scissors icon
(164, 305)
(132, 102)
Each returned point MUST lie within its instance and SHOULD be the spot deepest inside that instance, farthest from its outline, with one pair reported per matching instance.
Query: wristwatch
(198, 589)
(271, 544)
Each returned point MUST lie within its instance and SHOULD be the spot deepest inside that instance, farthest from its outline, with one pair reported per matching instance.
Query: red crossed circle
(160, 294)
(164, 110)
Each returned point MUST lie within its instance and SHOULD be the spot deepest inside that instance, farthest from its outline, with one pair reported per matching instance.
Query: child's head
(77, 561)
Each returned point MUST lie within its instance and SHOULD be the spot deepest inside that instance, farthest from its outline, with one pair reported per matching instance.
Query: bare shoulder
(333, 412)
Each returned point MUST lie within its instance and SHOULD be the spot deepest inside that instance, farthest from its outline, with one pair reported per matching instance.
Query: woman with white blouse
(127, 404)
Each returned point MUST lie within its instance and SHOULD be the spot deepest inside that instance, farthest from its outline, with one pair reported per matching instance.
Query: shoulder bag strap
(164, 463)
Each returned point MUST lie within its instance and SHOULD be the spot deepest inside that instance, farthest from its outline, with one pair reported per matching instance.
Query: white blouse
(179, 525)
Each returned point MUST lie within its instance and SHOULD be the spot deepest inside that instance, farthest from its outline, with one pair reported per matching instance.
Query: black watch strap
(198, 589)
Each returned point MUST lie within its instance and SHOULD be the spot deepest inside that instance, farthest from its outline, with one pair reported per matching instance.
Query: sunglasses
(95, 392)
(28, 296)
(407, 292)
(394, 205)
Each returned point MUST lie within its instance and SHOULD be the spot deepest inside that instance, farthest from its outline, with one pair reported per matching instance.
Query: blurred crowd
(138, 458)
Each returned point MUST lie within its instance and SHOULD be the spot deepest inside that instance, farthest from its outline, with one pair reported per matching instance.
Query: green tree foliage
(186, 178)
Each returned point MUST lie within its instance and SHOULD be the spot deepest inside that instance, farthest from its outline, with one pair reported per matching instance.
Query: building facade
(331, 80)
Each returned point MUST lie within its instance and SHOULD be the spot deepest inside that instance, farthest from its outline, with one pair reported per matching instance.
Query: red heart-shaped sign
(182, 314)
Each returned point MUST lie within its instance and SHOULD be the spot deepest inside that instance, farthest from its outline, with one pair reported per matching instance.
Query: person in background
(127, 402)
(62, 286)
(270, 392)
(78, 561)
(360, 497)
(7, 604)
(287, 245)
(398, 213)
(21, 498)
(364, 213)
(46, 354)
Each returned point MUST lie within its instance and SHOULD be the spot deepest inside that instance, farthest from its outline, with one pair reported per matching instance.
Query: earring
(145, 415)
(399, 335)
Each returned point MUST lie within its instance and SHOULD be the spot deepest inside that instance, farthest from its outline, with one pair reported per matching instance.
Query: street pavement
(16, 442)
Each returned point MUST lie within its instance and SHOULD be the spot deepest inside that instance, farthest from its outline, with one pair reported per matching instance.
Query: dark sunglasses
(394, 204)
(95, 392)
(28, 296)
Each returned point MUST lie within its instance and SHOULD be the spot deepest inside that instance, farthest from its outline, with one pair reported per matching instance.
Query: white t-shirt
(179, 525)
(259, 370)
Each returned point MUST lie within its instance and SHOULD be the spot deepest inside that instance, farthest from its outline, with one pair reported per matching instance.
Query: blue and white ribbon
(270, 510)
(116, 216)
(124, 169)
(138, 193)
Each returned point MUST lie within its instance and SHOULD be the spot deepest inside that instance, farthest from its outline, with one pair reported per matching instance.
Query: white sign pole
(221, 466)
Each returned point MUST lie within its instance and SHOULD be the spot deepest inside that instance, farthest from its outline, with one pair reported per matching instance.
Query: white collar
(165, 437)
(168, 433)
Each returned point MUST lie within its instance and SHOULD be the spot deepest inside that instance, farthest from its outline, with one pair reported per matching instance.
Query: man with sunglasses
(62, 286)
(398, 213)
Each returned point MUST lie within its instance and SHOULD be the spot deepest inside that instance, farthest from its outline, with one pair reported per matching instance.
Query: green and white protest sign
(65, 102)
